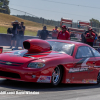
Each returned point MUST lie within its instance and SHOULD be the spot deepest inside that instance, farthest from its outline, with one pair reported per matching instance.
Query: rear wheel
(98, 78)
(57, 76)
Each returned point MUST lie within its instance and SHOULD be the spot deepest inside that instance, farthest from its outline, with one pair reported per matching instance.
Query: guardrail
(5, 39)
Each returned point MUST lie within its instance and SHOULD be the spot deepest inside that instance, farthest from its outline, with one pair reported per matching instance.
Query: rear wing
(67, 21)
(77, 30)
(83, 23)
(75, 33)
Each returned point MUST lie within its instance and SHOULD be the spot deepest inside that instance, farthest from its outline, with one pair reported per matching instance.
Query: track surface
(47, 91)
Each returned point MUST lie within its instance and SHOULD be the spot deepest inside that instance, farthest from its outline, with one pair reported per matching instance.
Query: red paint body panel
(15, 63)
(37, 46)
(1, 49)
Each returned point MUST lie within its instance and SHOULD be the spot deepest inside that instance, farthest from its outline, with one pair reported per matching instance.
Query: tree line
(4, 8)
(93, 22)
(39, 20)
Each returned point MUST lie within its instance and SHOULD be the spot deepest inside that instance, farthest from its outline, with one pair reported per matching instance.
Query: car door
(97, 57)
(83, 65)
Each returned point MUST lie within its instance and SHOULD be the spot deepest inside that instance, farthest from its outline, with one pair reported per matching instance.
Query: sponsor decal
(16, 53)
(67, 80)
(72, 70)
(44, 79)
(89, 81)
(82, 66)
(82, 63)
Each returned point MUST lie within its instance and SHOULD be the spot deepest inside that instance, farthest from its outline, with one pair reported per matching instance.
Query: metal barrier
(5, 39)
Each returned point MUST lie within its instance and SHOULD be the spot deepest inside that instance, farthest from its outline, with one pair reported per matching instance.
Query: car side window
(83, 51)
(95, 52)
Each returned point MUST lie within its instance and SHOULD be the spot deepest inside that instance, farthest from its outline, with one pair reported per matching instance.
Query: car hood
(21, 56)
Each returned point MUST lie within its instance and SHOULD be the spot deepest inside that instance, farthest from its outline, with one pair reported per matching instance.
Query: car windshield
(62, 47)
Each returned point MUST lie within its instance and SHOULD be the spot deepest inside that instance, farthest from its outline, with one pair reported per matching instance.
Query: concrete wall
(5, 39)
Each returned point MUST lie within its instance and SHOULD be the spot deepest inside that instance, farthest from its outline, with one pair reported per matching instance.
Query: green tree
(4, 8)
(95, 23)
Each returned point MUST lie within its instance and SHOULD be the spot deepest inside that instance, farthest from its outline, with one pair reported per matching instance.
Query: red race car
(52, 61)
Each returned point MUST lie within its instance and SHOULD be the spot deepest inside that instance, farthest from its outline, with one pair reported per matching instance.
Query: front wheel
(57, 76)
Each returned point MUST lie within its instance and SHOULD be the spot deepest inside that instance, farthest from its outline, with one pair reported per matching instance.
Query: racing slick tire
(98, 78)
(57, 76)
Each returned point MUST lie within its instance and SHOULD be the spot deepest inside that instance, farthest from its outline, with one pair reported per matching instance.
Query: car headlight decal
(36, 65)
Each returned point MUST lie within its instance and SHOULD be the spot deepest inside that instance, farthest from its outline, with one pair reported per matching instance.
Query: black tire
(98, 78)
(56, 79)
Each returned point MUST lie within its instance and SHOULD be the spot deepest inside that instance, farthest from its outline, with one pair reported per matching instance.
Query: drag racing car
(52, 61)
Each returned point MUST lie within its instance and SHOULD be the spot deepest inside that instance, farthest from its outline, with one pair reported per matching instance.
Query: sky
(76, 10)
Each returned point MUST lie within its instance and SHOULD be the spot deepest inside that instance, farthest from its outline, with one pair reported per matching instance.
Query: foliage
(95, 23)
(4, 8)
(40, 20)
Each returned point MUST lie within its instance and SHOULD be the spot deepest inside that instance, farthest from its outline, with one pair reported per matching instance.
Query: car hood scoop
(36, 46)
